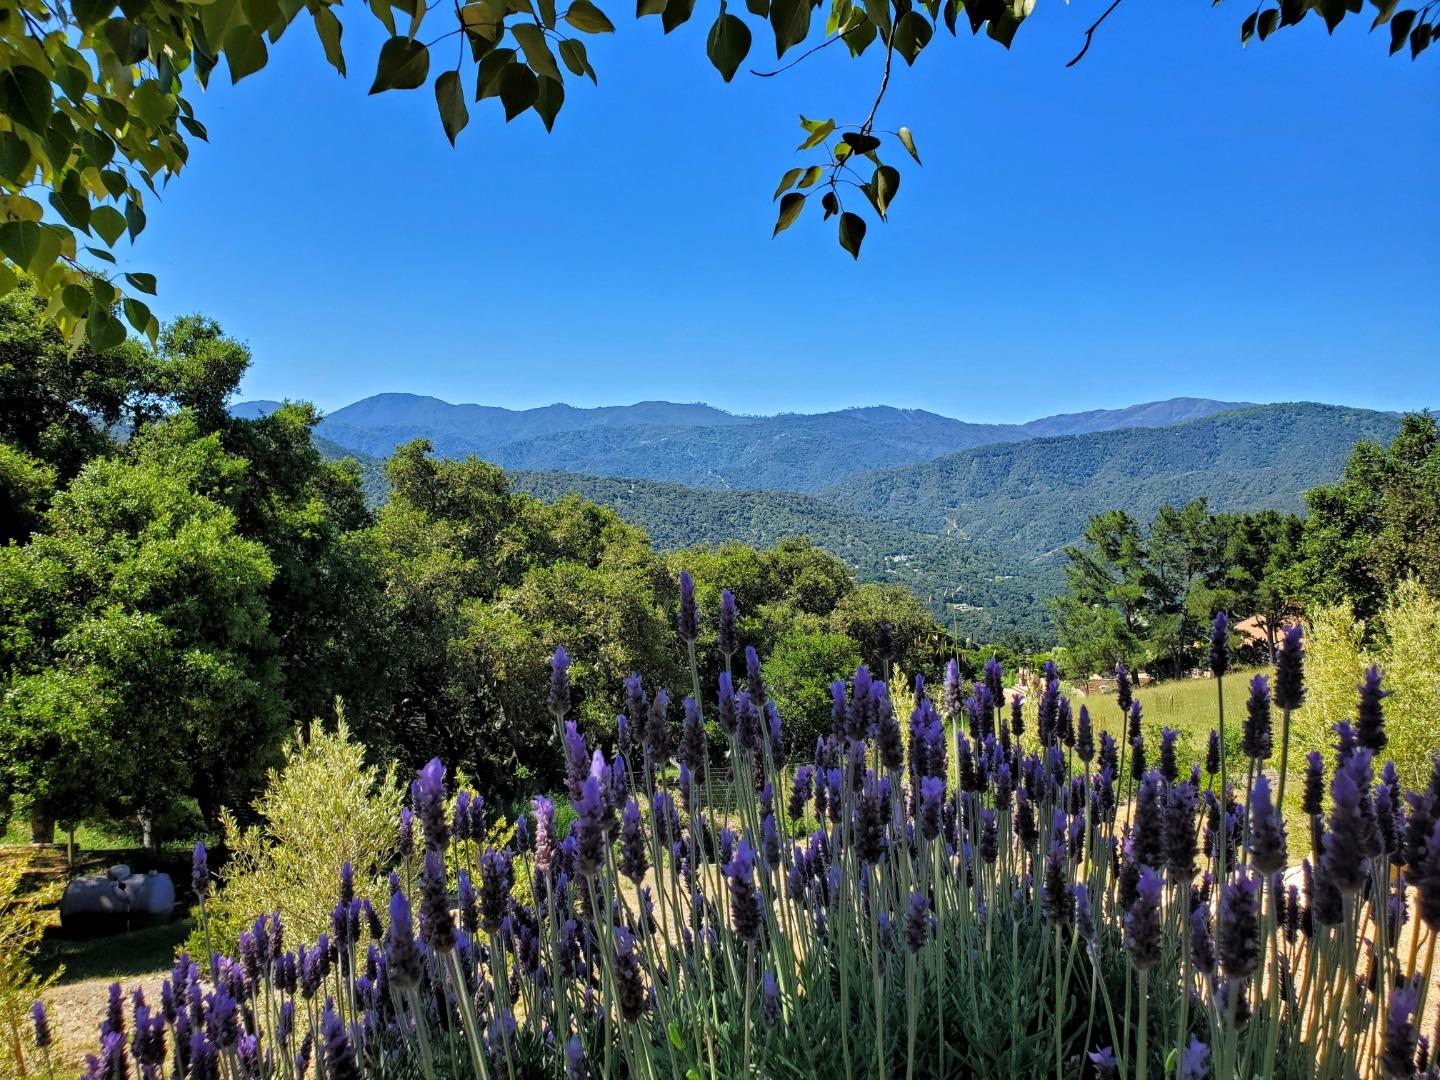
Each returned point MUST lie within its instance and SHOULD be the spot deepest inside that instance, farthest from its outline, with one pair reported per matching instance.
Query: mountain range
(972, 517)
(699, 445)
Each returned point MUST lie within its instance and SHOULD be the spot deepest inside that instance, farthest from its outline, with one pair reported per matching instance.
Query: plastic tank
(116, 901)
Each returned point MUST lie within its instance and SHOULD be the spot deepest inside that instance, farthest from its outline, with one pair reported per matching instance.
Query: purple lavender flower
(870, 819)
(402, 956)
(726, 706)
(589, 825)
(1181, 802)
(1257, 733)
(427, 795)
(1104, 1062)
(1142, 921)
(543, 811)
(633, 862)
(405, 837)
(42, 1025)
(917, 922)
(1370, 720)
(1290, 670)
(1312, 798)
(744, 899)
(1017, 714)
(770, 998)
(575, 1066)
(437, 926)
(560, 684)
(753, 682)
(1267, 830)
(1426, 875)
(1123, 690)
(930, 808)
(1401, 1036)
(1238, 926)
(1056, 897)
(1212, 754)
(1220, 645)
(1169, 768)
(1202, 945)
(200, 872)
(634, 998)
(689, 619)
(496, 880)
(1344, 858)
(1084, 736)
(1194, 1061)
(989, 835)
(340, 1063)
(727, 640)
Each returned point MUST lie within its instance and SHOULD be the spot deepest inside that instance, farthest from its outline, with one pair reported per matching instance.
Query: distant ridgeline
(972, 517)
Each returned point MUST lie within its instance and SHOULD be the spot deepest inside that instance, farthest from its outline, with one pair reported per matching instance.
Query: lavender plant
(970, 901)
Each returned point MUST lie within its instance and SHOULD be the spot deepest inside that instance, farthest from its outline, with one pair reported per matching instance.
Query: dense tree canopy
(95, 109)
(1144, 595)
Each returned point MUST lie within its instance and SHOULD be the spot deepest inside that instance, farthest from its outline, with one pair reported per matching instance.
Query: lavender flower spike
(1290, 670)
(1220, 645)
(1142, 921)
(689, 620)
(560, 684)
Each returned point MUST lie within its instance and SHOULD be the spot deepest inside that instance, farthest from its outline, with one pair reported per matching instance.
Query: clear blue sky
(1175, 215)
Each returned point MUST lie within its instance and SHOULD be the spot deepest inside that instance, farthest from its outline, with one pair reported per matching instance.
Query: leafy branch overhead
(94, 117)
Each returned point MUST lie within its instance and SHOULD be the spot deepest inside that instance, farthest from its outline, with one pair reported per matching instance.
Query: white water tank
(116, 901)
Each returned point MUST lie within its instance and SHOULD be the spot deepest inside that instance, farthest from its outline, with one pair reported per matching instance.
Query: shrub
(21, 924)
(1405, 643)
(324, 806)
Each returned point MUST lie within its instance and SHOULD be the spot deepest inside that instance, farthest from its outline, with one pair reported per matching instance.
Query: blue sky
(1173, 216)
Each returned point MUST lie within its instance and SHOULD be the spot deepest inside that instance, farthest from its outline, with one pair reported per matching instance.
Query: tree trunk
(42, 828)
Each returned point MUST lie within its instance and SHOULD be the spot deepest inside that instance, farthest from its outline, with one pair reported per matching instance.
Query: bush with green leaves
(323, 807)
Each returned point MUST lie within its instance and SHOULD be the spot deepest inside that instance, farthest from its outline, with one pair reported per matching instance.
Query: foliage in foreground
(1029, 918)
(324, 807)
(21, 924)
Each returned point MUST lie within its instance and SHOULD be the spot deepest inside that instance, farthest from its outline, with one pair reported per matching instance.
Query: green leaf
(103, 331)
(328, 27)
(791, 20)
(588, 19)
(787, 182)
(573, 53)
(830, 203)
(108, 223)
(812, 176)
(134, 218)
(677, 13)
(859, 142)
(115, 183)
(1400, 25)
(852, 233)
(879, 13)
(137, 314)
(547, 103)
(89, 12)
(912, 33)
(74, 208)
(907, 140)
(196, 128)
(144, 282)
(519, 89)
(76, 299)
(882, 188)
(487, 79)
(404, 65)
(245, 51)
(818, 134)
(450, 100)
(130, 41)
(790, 207)
(728, 44)
(1269, 20)
(547, 13)
(16, 158)
(1247, 28)
(26, 97)
(99, 253)
(1387, 8)
(675, 1039)
(537, 54)
(30, 245)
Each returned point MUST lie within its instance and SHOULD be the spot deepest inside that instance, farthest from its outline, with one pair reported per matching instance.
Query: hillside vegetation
(1032, 498)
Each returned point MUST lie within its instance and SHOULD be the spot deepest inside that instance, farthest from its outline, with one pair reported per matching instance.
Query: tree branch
(1090, 34)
